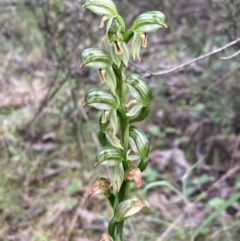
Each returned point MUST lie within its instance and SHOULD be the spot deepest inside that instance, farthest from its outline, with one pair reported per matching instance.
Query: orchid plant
(125, 147)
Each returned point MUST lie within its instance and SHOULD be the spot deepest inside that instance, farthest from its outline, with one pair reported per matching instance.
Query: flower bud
(118, 48)
(109, 156)
(101, 99)
(128, 208)
(95, 58)
(139, 89)
(133, 173)
(115, 30)
(101, 186)
(138, 141)
(106, 237)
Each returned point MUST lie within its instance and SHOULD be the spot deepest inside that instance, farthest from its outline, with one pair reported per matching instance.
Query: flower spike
(123, 101)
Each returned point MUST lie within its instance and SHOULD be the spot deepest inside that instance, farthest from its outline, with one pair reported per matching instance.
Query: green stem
(111, 228)
(120, 229)
(111, 200)
(124, 133)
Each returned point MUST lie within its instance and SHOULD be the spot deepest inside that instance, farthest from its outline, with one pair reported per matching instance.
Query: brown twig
(168, 71)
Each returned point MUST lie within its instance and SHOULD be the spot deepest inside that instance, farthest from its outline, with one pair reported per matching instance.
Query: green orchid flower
(145, 23)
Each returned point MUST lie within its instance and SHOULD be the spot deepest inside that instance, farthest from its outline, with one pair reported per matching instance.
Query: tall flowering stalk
(122, 142)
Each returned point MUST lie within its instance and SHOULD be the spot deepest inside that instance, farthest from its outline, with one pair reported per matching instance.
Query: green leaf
(73, 188)
(165, 184)
(138, 142)
(72, 203)
(109, 156)
(150, 175)
(101, 99)
(154, 130)
(215, 202)
(214, 214)
(189, 191)
(201, 180)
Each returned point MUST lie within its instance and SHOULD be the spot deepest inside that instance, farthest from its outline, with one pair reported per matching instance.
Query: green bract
(138, 141)
(101, 99)
(95, 58)
(109, 156)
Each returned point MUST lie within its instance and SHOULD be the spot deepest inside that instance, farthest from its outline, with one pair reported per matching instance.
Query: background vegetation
(48, 141)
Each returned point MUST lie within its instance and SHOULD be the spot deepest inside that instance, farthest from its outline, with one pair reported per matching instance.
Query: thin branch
(231, 56)
(191, 61)
(138, 67)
